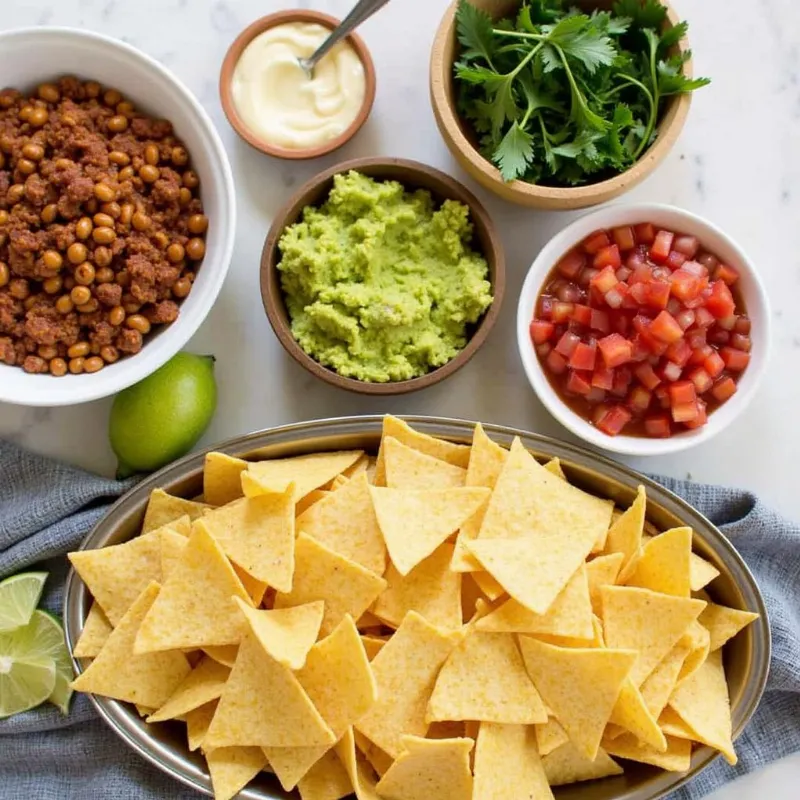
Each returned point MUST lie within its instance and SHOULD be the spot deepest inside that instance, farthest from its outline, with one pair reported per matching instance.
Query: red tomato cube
(688, 245)
(660, 248)
(645, 232)
(718, 335)
(742, 325)
(583, 357)
(647, 376)
(685, 318)
(605, 280)
(675, 259)
(741, 342)
(545, 307)
(595, 242)
(639, 399)
(614, 420)
(607, 257)
(696, 337)
(685, 412)
(720, 302)
(642, 273)
(701, 379)
(679, 352)
(623, 236)
(726, 274)
(713, 363)
(615, 350)
(571, 264)
(670, 371)
(603, 378)
(662, 396)
(657, 294)
(700, 354)
(541, 330)
(556, 363)
(703, 317)
(684, 285)
(657, 426)
(735, 360)
(578, 383)
(600, 321)
(616, 297)
(723, 389)
(582, 314)
(567, 343)
(701, 418)
(544, 349)
(665, 328)
(622, 380)
(562, 312)
(682, 392)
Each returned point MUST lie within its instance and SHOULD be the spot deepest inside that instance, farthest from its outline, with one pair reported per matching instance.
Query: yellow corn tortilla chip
(197, 722)
(446, 729)
(723, 623)
(345, 522)
(379, 761)
(553, 466)
(306, 472)
(223, 654)
(321, 574)
(222, 478)
(339, 481)
(96, 630)
(658, 687)
(255, 588)
(507, 764)
(405, 672)
(431, 589)
(368, 622)
(566, 764)
(407, 468)
(202, 685)
(625, 534)
(232, 768)
(304, 503)
(485, 679)
(701, 572)
(360, 773)
(580, 685)
(358, 468)
(429, 768)
(470, 594)
(673, 725)
(415, 522)
(257, 533)
(485, 462)
(676, 758)
(119, 672)
(291, 764)
(372, 645)
(702, 702)
(550, 736)
(487, 584)
(602, 571)
(326, 780)
(569, 616)
(631, 713)
(287, 634)
(163, 508)
(264, 704)
(645, 621)
(172, 546)
(663, 565)
(698, 639)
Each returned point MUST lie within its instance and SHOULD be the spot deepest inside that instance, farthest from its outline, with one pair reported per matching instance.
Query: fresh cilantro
(475, 32)
(514, 152)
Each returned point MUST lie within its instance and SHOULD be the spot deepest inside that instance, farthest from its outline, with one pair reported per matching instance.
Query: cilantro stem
(576, 92)
(540, 37)
(653, 103)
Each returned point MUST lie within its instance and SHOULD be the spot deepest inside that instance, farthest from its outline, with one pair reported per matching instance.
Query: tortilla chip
(698, 639)
(701, 572)
(405, 672)
(581, 685)
(507, 764)
(358, 468)
(673, 725)
(470, 594)
(631, 713)
(566, 764)
(287, 634)
(485, 679)
(645, 621)
(326, 780)
(118, 672)
(553, 466)
(625, 535)
(255, 588)
(163, 508)
(304, 503)
(359, 773)
(305, 472)
(96, 630)
(379, 760)
(232, 768)
(368, 622)
(223, 654)
(321, 574)
(485, 462)
(723, 623)
(676, 758)
(257, 533)
(429, 768)
(345, 522)
(415, 522)
(407, 468)
(172, 546)
(550, 736)
(602, 571)
(197, 723)
(569, 616)
(202, 685)
(195, 607)
(372, 645)
(702, 702)
(658, 687)
(487, 584)
(222, 478)
(431, 589)
(663, 565)
(291, 764)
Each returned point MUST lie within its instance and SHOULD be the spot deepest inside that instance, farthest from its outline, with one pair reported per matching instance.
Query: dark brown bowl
(412, 175)
(235, 52)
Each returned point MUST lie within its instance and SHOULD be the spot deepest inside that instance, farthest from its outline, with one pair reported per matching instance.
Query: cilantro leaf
(549, 58)
(514, 153)
(673, 35)
(642, 13)
(671, 81)
(474, 28)
(584, 143)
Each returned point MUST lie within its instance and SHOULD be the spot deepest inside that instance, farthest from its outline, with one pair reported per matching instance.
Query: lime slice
(54, 632)
(19, 596)
(24, 684)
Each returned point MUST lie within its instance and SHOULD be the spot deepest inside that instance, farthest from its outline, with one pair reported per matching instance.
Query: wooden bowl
(237, 48)
(458, 136)
(412, 175)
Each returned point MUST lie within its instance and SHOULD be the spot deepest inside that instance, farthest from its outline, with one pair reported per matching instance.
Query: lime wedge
(19, 596)
(24, 684)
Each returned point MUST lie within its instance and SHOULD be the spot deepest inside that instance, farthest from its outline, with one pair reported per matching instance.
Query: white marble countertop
(737, 163)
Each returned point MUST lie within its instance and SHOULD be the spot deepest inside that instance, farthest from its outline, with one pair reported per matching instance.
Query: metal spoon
(363, 10)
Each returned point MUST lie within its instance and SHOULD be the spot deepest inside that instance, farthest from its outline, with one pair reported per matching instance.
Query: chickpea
(185, 196)
(119, 158)
(151, 155)
(125, 174)
(102, 220)
(6, 143)
(77, 253)
(92, 89)
(149, 174)
(132, 307)
(140, 221)
(15, 193)
(104, 193)
(117, 124)
(38, 117)
(179, 156)
(139, 323)
(84, 274)
(19, 289)
(68, 120)
(161, 240)
(104, 235)
(47, 351)
(116, 316)
(30, 302)
(109, 354)
(83, 228)
(181, 287)
(90, 307)
(32, 151)
(64, 304)
(195, 249)
(102, 257)
(123, 278)
(125, 108)
(91, 205)
(5, 274)
(53, 285)
(26, 166)
(126, 213)
(104, 275)
(197, 223)
(25, 113)
(112, 209)
(76, 365)
(3, 216)
(58, 367)
(175, 252)
(78, 349)
(64, 163)
(112, 97)
(93, 364)
(80, 295)
(48, 92)
(52, 259)
(190, 179)
(49, 213)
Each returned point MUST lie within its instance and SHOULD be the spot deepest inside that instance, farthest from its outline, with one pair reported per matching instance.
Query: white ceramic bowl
(32, 55)
(711, 238)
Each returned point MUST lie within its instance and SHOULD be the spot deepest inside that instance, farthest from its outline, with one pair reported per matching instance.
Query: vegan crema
(280, 104)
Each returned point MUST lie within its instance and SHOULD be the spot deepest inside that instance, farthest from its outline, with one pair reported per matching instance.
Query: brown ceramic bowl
(460, 140)
(237, 48)
(412, 175)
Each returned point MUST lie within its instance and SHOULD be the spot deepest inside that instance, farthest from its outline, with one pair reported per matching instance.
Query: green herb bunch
(563, 98)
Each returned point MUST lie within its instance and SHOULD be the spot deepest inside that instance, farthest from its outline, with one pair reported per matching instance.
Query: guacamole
(379, 283)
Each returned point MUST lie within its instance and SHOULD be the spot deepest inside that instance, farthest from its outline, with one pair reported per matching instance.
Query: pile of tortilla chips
(444, 621)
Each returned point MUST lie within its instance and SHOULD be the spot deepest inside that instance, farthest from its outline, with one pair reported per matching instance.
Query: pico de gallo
(642, 331)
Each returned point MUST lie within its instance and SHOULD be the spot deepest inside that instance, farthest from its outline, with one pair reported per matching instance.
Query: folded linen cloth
(46, 508)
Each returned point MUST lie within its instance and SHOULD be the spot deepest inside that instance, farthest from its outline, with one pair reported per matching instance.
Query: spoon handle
(363, 10)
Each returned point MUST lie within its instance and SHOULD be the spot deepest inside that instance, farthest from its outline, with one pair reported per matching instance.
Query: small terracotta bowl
(460, 139)
(412, 175)
(234, 54)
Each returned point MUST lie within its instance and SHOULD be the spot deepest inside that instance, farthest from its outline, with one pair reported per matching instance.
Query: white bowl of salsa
(643, 328)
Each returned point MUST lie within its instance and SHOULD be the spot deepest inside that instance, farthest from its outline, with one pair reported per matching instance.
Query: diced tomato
(647, 376)
(621, 324)
(718, 336)
(658, 426)
(562, 312)
(703, 317)
(567, 344)
(543, 349)
(642, 326)
(713, 363)
(708, 260)
(584, 279)
(583, 357)
(701, 418)
(595, 242)
(639, 291)
(571, 264)
(741, 342)
(695, 268)
(660, 248)
(682, 392)
(687, 245)
(735, 360)
(723, 389)
(607, 257)
(600, 321)
(645, 232)
(556, 363)
(696, 337)
(623, 236)
(701, 353)
(582, 314)
(614, 420)
(603, 378)
(726, 274)
(595, 395)
(622, 380)
(685, 412)
(641, 274)
(605, 280)
(701, 379)
(720, 303)
(657, 295)
(639, 399)
(674, 306)
(684, 285)
(578, 382)
(545, 307)
(623, 273)
(662, 396)
(679, 352)
(675, 259)
(743, 325)
(569, 292)
(670, 371)
(685, 318)
(541, 330)
(639, 350)
(665, 328)
(727, 323)
(615, 349)
(616, 296)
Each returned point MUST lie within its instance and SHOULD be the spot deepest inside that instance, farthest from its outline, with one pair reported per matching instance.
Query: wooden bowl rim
(234, 53)
(535, 194)
(290, 213)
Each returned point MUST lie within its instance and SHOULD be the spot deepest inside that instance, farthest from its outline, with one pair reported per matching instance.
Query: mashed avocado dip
(380, 285)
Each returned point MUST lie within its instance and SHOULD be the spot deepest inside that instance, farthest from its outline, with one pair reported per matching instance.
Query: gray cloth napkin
(46, 508)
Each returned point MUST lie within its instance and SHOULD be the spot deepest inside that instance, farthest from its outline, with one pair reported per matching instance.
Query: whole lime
(161, 418)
